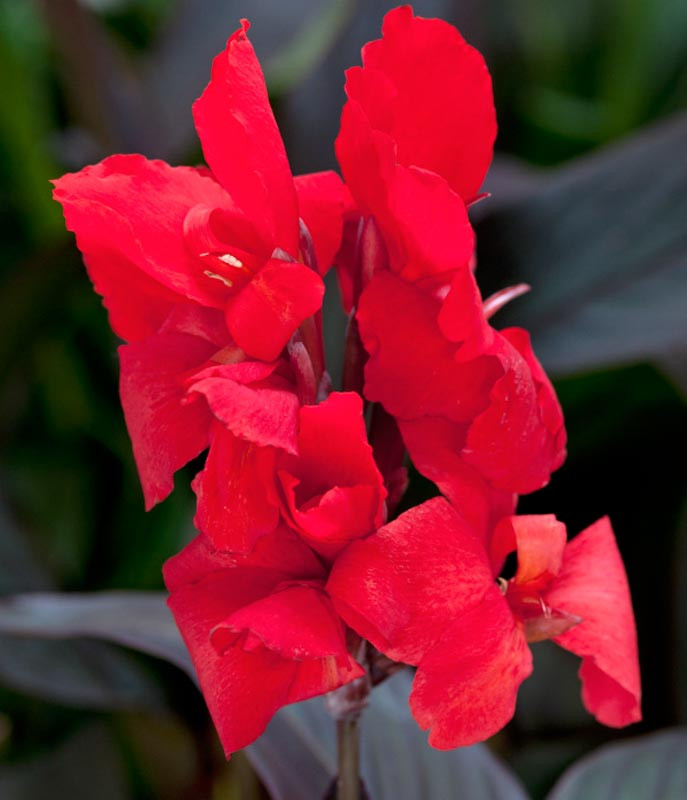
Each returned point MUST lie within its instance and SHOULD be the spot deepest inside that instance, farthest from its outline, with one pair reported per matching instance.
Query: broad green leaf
(647, 768)
(295, 757)
(140, 620)
(85, 766)
(603, 243)
(77, 673)
(89, 674)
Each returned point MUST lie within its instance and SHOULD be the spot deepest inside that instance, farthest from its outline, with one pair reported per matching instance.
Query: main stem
(348, 748)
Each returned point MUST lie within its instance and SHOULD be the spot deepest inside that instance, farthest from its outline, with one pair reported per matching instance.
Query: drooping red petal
(592, 584)
(236, 495)
(420, 72)
(242, 397)
(539, 540)
(242, 144)
(434, 445)
(412, 368)
(466, 686)
(265, 313)
(333, 493)
(167, 428)
(128, 216)
(402, 586)
(322, 201)
(243, 688)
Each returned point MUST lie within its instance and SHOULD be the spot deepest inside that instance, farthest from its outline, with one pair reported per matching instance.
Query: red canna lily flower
(423, 590)
(475, 409)
(200, 267)
(261, 630)
(496, 414)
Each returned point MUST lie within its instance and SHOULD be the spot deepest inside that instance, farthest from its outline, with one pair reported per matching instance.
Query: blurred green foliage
(81, 79)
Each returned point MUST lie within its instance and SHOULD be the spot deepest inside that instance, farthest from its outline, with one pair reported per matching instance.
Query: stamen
(227, 258)
(217, 277)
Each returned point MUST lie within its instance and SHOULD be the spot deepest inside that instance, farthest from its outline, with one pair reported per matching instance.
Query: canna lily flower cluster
(301, 577)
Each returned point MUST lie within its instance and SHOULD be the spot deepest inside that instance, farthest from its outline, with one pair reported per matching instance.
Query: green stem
(348, 747)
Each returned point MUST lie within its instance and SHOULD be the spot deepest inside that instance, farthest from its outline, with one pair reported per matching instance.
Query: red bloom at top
(423, 591)
(425, 90)
(200, 267)
(476, 411)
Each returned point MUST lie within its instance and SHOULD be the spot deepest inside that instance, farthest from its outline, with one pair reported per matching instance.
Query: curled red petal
(592, 584)
(539, 540)
(402, 586)
(242, 144)
(466, 686)
(333, 494)
(250, 402)
(265, 313)
(297, 621)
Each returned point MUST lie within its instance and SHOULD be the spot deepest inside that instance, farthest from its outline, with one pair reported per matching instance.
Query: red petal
(429, 74)
(434, 446)
(423, 222)
(296, 621)
(167, 429)
(244, 689)
(240, 395)
(237, 498)
(592, 584)
(462, 319)
(465, 688)
(322, 199)
(549, 407)
(242, 144)
(512, 442)
(539, 540)
(412, 368)
(279, 556)
(335, 493)
(128, 215)
(402, 586)
(426, 226)
(264, 315)
(367, 160)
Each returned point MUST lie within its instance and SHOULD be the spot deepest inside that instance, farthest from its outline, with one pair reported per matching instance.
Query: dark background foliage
(589, 205)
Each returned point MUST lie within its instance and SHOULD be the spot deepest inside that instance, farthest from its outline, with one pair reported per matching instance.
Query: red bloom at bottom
(423, 591)
(261, 630)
